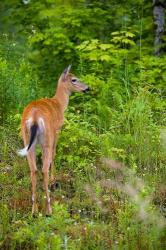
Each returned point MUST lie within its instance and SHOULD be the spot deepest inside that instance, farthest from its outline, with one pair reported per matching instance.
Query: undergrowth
(110, 164)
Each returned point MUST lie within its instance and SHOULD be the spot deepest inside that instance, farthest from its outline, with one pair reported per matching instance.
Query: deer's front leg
(47, 159)
(52, 167)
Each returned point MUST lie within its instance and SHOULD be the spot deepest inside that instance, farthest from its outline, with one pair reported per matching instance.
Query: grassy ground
(98, 202)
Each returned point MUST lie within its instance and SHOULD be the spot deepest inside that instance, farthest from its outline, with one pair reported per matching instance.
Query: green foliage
(77, 152)
(4, 221)
(57, 29)
(19, 83)
(43, 232)
(110, 162)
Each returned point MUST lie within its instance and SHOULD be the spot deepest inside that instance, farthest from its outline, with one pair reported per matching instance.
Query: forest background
(110, 191)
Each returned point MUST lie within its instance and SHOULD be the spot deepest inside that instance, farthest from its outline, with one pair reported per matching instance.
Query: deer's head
(71, 82)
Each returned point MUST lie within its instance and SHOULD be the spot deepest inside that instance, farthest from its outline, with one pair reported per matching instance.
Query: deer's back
(47, 109)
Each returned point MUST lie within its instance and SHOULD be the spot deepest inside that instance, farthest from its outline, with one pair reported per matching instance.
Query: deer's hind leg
(47, 159)
(33, 169)
(32, 163)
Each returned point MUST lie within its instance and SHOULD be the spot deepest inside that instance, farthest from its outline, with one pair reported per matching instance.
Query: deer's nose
(86, 90)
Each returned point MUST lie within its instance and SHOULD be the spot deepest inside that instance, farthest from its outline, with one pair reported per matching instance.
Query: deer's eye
(74, 80)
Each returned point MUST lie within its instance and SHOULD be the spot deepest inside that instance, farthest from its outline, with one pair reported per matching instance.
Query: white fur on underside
(22, 152)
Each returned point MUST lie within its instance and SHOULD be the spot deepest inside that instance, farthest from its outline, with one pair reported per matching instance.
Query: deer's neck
(62, 96)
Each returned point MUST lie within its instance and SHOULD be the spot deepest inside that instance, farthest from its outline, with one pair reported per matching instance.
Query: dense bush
(19, 83)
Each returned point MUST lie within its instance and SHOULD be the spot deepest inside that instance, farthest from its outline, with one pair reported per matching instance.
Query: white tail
(23, 152)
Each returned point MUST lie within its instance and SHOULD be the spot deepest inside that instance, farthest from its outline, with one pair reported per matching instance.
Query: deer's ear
(66, 72)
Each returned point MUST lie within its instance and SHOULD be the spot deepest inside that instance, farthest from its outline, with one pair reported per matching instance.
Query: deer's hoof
(48, 210)
(54, 186)
(34, 209)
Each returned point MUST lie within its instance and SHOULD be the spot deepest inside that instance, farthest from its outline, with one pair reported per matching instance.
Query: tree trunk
(159, 20)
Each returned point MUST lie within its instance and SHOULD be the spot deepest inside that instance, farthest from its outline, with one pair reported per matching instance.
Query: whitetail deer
(41, 123)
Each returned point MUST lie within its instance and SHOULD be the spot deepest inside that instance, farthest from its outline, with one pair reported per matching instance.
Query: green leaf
(106, 58)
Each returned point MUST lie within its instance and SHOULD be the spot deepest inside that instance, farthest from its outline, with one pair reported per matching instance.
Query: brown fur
(51, 111)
